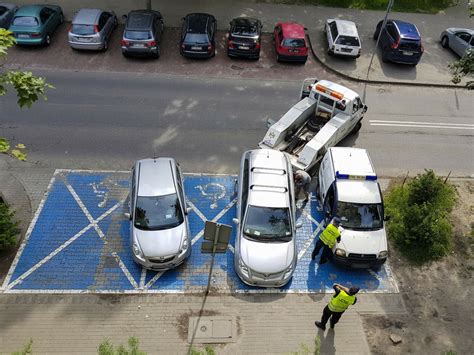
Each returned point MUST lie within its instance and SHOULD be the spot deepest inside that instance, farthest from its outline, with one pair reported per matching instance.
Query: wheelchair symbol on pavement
(213, 191)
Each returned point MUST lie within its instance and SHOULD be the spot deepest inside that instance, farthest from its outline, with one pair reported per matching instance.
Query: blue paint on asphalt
(103, 262)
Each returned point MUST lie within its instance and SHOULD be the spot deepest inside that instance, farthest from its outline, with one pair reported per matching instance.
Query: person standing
(340, 301)
(302, 181)
(327, 239)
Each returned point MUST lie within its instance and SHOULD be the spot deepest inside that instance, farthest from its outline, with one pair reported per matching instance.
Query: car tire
(278, 58)
(330, 52)
(61, 18)
(357, 127)
(445, 42)
(47, 40)
(384, 57)
(157, 54)
(105, 46)
(376, 35)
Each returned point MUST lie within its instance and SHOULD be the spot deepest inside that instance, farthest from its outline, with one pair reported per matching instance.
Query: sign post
(217, 236)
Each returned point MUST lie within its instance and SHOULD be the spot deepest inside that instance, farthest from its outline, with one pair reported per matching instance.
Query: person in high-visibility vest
(327, 239)
(342, 299)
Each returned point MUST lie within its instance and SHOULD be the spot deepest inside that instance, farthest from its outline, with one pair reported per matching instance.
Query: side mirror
(236, 221)
(270, 122)
(124, 17)
(188, 210)
(299, 225)
(182, 18)
(327, 214)
(127, 215)
(386, 218)
(305, 29)
(230, 23)
(364, 110)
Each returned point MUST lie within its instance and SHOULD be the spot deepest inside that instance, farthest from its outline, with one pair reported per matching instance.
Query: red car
(290, 42)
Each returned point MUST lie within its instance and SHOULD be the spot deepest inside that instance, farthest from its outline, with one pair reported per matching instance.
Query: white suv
(265, 247)
(343, 38)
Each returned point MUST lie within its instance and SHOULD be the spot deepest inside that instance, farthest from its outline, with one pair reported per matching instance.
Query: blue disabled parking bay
(79, 242)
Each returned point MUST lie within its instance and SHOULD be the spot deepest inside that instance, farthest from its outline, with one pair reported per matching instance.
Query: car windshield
(360, 216)
(158, 212)
(196, 38)
(28, 21)
(348, 41)
(294, 42)
(82, 30)
(268, 224)
(138, 35)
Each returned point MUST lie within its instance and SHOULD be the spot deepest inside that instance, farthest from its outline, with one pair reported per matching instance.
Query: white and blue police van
(348, 188)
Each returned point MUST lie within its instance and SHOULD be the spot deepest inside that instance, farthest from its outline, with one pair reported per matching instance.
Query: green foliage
(107, 348)
(463, 67)
(208, 350)
(19, 151)
(8, 229)
(423, 6)
(306, 350)
(419, 211)
(28, 349)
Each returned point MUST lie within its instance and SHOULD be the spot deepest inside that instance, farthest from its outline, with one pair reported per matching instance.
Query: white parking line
(415, 124)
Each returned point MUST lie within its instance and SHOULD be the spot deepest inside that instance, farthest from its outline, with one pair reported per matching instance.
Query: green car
(34, 24)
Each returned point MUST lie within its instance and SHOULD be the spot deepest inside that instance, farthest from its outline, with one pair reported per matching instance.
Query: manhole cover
(208, 330)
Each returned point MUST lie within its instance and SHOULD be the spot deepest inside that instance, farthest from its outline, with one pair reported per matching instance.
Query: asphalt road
(108, 120)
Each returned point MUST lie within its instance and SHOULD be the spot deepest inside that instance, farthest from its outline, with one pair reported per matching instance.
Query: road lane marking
(416, 124)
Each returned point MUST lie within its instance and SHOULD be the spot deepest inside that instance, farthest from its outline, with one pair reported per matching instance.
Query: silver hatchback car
(159, 227)
(91, 29)
(265, 246)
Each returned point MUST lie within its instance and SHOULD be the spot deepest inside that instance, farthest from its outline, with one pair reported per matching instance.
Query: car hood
(267, 258)
(162, 242)
(363, 242)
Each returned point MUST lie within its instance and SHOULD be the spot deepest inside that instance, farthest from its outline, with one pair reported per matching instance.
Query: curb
(384, 82)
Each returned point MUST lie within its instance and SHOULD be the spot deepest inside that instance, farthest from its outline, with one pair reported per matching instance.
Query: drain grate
(212, 330)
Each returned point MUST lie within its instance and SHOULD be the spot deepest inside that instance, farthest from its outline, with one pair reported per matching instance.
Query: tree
(29, 88)
(463, 67)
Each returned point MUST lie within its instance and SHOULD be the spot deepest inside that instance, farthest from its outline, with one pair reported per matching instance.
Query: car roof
(459, 29)
(292, 30)
(407, 30)
(87, 16)
(268, 178)
(155, 177)
(139, 19)
(358, 191)
(352, 161)
(198, 22)
(346, 28)
(29, 10)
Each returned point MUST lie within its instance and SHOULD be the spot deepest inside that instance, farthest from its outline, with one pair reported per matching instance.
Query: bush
(107, 348)
(8, 228)
(419, 211)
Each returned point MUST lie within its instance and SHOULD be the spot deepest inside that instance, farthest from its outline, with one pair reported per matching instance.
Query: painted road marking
(415, 124)
(78, 242)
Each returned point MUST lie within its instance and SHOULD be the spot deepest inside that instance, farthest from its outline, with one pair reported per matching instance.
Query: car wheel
(357, 127)
(384, 57)
(115, 22)
(278, 58)
(47, 40)
(61, 18)
(157, 54)
(376, 35)
(106, 45)
(330, 52)
(445, 42)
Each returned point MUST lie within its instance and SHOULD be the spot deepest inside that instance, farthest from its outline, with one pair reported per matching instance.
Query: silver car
(91, 29)
(159, 227)
(265, 246)
(460, 40)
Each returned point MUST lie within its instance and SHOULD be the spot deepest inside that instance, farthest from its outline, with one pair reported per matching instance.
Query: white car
(343, 38)
(159, 228)
(265, 246)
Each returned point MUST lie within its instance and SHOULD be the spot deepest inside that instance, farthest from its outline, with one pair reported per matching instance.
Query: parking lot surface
(78, 242)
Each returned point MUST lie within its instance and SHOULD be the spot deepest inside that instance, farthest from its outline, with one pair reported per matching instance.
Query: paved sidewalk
(431, 70)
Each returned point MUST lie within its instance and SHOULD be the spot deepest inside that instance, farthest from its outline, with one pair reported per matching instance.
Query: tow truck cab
(348, 188)
(326, 114)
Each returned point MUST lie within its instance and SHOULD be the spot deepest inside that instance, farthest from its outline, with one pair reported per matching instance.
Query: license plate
(23, 36)
(347, 50)
(195, 48)
(244, 47)
(83, 39)
(407, 53)
(139, 45)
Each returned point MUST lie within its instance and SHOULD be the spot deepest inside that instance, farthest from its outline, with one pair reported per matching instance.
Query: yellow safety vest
(329, 235)
(341, 302)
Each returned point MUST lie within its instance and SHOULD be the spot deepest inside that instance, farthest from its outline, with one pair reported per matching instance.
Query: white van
(348, 188)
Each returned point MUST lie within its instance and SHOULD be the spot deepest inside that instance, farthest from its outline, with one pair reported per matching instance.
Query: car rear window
(82, 30)
(196, 38)
(348, 41)
(138, 35)
(410, 45)
(294, 42)
(240, 30)
(28, 21)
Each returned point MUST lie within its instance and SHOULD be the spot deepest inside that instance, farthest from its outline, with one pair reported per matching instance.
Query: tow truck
(326, 113)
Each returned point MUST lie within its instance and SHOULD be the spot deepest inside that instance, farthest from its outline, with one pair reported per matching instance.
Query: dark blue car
(400, 42)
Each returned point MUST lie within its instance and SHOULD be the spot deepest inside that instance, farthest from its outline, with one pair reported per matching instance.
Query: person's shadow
(327, 341)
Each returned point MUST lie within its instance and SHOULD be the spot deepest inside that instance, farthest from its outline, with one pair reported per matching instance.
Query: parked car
(6, 14)
(343, 38)
(142, 34)
(35, 24)
(400, 42)
(159, 227)
(460, 40)
(244, 39)
(290, 42)
(91, 29)
(265, 246)
(198, 36)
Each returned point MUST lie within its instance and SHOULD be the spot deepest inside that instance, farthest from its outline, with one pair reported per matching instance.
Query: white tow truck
(326, 114)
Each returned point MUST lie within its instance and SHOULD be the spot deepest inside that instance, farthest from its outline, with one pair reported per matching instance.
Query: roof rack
(274, 171)
(269, 188)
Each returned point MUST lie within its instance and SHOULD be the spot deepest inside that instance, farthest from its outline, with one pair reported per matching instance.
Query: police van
(348, 188)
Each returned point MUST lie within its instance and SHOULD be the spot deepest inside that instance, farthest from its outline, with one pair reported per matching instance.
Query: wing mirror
(364, 110)
(188, 210)
(386, 218)
(299, 225)
(327, 214)
(270, 122)
(128, 216)
(305, 29)
(124, 17)
(236, 221)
